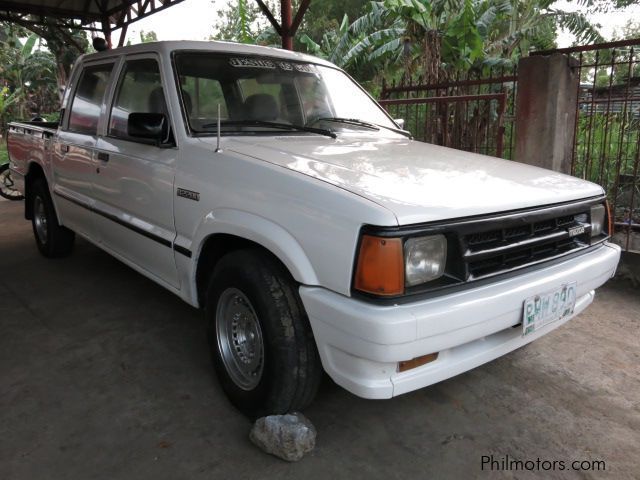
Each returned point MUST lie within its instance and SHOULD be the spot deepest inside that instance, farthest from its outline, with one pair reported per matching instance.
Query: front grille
(487, 246)
(496, 249)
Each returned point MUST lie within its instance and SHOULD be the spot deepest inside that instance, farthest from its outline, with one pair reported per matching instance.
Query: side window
(85, 106)
(139, 90)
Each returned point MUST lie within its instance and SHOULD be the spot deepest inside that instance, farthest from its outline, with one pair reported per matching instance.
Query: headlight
(598, 218)
(385, 265)
(425, 259)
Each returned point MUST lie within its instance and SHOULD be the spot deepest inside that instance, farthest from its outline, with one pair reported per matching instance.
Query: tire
(53, 240)
(266, 357)
(7, 189)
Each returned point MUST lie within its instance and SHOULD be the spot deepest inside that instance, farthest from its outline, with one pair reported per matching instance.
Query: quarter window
(140, 91)
(85, 108)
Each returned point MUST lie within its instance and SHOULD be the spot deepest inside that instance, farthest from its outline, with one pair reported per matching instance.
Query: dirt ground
(104, 375)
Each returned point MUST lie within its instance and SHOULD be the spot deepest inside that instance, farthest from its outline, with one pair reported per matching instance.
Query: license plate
(545, 308)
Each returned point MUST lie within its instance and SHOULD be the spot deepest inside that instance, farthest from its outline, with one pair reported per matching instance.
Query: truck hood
(418, 182)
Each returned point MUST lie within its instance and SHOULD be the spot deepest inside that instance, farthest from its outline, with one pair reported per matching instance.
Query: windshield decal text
(251, 62)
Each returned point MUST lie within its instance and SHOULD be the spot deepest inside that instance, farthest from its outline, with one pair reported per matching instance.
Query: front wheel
(7, 187)
(53, 240)
(259, 335)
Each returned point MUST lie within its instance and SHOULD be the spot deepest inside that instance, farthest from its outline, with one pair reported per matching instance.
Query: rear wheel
(260, 339)
(53, 240)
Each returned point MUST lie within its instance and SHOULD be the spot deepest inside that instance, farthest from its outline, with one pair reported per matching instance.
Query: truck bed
(34, 128)
(28, 142)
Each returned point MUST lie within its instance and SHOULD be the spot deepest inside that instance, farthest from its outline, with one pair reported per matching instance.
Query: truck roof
(165, 47)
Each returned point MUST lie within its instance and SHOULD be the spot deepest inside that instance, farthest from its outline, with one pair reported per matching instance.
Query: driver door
(133, 186)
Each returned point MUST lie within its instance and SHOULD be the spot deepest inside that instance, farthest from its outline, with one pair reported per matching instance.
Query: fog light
(416, 362)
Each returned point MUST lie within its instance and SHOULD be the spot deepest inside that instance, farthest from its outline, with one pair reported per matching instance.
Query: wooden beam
(287, 27)
(304, 6)
(21, 19)
(152, 8)
(19, 7)
(285, 23)
(267, 13)
(106, 30)
(123, 36)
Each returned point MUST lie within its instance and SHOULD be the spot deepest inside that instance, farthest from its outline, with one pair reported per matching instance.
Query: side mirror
(399, 122)
(152, 126)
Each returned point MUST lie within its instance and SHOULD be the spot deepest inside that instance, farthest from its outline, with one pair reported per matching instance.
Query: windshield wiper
(282, 126)
(363, 123)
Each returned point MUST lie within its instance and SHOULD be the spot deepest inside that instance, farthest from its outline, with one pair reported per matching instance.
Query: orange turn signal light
(416, 362)
(380, 267)
(610, 224)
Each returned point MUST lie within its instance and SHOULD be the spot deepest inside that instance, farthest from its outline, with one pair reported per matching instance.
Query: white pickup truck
(267, 188)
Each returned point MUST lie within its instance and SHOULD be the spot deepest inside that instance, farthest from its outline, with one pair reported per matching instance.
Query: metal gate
(474, 114)
(606, 146)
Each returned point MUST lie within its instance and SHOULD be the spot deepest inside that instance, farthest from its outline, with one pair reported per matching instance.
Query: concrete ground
(104, 375)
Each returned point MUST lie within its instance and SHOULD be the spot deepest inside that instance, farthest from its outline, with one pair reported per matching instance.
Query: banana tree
(442, 37)
(29, 75)
(7, 101)
(334, 44)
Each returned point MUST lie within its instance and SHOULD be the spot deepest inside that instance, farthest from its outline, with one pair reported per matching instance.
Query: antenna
(218, 149)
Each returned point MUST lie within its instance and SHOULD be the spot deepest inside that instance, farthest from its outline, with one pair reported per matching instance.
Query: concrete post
(546, 106)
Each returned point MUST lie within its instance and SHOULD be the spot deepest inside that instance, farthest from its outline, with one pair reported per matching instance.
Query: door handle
(103, 156)
(64, 148)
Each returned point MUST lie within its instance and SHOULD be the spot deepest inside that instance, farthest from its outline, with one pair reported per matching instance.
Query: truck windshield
(269, 95)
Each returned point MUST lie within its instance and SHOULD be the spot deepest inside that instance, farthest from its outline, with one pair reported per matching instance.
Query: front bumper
(360, 343)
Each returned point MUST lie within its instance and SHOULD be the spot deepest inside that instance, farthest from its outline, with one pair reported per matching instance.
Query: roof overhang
(108, 15)
(95, 15)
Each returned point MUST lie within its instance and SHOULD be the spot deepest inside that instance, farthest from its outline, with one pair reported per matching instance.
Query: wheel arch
(228, 230)
(34, 172)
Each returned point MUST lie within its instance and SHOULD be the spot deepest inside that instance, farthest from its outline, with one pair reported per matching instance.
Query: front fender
(257, 229)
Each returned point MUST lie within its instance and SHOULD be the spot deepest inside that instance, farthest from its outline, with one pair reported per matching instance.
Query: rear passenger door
(72, 155)
(133, 186)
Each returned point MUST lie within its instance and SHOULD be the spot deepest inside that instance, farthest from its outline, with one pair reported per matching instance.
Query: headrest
(261, 106)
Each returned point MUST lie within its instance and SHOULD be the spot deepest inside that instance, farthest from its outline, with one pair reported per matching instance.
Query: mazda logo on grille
(573, 231)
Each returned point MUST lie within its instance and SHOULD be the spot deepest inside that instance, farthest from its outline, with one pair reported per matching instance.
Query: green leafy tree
(65, 44)
(441, 37)
(326, 17)
(146, 37)
(7, 100)
(28, 74)
(238, 22)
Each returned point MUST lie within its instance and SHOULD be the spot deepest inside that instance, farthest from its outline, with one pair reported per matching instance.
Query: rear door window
(87, 100)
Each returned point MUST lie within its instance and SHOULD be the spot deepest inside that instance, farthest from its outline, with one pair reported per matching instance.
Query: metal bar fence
(606, 147)
(475, 113)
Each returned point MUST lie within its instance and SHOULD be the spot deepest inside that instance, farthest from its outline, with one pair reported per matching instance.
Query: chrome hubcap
(240, 340)
(40, 219)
